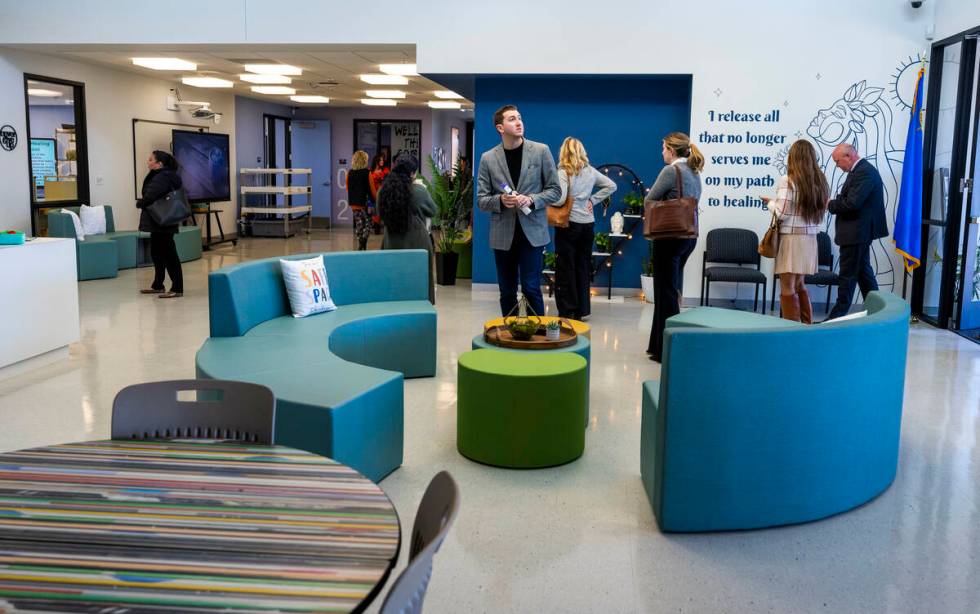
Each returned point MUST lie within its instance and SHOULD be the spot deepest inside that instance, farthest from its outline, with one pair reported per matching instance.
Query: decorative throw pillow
(850, 316)
(93, 219)
(306, 285)
(79, 233)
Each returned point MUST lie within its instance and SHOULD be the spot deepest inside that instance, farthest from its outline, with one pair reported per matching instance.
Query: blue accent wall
(619, 119)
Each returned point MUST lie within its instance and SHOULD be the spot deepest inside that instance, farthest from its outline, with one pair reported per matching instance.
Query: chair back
(825, 252)
(235, 411)
(732, 246)
(436, 514)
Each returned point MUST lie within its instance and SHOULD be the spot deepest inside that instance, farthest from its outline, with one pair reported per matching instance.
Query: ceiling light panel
(444, 104)
(384, 79)
(165, 63)
(265, 79)
(407, 70)
(274, 69)
(378, 102)
(43, 93)
(206, 82)
(320, 99)
(274, 89)
(385, 94)
(447, 95)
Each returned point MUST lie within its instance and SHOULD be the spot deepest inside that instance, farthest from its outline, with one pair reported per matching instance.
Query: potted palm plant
(646, 278)
(453, 198)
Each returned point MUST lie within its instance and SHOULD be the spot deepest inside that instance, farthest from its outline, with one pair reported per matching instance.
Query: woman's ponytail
(695, 161)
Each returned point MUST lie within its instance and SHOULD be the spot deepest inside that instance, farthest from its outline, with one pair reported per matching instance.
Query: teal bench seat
(759, 422)
(338, 376)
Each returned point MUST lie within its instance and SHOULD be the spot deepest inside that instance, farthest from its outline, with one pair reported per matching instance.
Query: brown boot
(806, 309)
(790, 304)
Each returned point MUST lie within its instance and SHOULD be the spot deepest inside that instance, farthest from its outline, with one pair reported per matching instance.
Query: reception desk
(38, 304)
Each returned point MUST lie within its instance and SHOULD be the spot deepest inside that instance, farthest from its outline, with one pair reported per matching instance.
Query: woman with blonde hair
(670, 255)
(358, 192)
(573, 244)
(799, 206)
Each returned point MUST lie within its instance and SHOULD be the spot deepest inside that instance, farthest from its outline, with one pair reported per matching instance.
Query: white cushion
(306, 285)
(850, 316)
(79, 233)
(93, 219)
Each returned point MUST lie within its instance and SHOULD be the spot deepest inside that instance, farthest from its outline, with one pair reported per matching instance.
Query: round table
(521, 409)
(207, 526)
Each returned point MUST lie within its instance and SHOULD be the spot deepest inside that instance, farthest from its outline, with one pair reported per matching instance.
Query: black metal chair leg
(764, 284)
(827, 307)
(755, 304)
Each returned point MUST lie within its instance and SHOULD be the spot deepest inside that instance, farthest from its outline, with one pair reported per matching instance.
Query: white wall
(112, 99)
(955, 16)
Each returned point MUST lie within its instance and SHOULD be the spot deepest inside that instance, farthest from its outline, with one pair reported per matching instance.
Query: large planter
(646, 282)
(446, 263)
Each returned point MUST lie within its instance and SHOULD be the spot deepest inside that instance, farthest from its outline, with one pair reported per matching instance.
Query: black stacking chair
(732, 246)
(235, 411)
(435, 516)
(824, 276)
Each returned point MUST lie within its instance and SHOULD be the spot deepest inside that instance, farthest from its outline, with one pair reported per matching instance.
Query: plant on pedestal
(453, 198)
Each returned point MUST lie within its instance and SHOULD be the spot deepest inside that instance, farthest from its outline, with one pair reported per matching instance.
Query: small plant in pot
(553, 330)
(603, 243)
(634, 203)
(646, 279)
(454, 200)
(550, 261)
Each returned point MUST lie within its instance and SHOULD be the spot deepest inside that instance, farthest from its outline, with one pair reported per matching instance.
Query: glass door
(968, 320)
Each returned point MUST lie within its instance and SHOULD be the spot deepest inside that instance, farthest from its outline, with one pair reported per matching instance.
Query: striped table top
(175, 526)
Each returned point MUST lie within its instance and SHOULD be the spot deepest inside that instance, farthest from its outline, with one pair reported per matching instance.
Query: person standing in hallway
(670, 255)
(379, 170)
(517, 180)
(799, 206)
(860, 219)
(160, 181)
(405, 208)
(358, 192)
(573, 244)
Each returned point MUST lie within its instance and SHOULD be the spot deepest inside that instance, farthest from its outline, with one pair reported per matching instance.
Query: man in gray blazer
(516, 181)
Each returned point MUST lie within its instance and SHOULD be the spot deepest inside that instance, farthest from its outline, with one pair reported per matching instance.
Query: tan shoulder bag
(558, 216)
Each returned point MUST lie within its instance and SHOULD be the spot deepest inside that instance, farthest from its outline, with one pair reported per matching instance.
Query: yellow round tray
(581, 328)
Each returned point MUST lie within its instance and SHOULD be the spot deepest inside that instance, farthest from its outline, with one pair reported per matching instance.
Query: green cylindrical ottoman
(521, 409)
(582, 347)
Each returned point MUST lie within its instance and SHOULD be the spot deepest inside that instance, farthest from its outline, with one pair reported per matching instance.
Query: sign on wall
(43, 163)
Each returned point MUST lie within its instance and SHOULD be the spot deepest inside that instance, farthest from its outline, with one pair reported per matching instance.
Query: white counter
(38, 303)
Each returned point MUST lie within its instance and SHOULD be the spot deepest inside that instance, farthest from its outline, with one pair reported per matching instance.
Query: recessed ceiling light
(384, 79)
(322, 99)
(206, 82)
(43, 93)
(265, 79)
(273, 89)
(165, 63)
(447, 95)
(378, 102)
(408, 70)
(385, 93)
(274, 69)
(444, 104)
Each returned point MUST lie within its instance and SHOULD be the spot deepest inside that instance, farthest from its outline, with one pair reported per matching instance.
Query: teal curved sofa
(104, 255)
(759, 422)
(338, 376)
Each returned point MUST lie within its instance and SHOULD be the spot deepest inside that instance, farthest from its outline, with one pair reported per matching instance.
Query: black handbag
(171, 209)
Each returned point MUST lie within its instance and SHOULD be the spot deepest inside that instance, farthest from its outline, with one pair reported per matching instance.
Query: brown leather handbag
(558, 216)
(675, 218)
(769, 244)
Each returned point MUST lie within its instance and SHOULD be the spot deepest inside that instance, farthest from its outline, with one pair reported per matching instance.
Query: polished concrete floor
(580, 538)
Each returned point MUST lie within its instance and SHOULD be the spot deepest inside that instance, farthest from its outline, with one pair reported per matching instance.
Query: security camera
(916, 3)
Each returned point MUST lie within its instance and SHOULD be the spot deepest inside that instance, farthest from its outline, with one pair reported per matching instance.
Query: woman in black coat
(161, 180)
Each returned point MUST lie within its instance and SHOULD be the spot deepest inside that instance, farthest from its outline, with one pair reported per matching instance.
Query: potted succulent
(634, 203)
(453, 198)
(603, 243)
(646, 278)
(550, 261)
(553, 330)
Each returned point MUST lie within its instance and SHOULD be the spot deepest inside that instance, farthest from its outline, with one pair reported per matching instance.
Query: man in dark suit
(860, 211)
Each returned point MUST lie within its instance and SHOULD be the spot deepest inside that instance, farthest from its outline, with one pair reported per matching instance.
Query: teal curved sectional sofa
(759, 422)
(338, 376)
